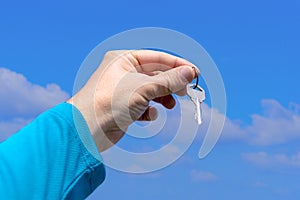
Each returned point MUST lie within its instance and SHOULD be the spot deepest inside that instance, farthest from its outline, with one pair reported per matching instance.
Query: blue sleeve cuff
(94, 174)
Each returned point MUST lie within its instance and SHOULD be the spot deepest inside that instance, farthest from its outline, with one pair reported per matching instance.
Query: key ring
(194, 86)
(197, 79)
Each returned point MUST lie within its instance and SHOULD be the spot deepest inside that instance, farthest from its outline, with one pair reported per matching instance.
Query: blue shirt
(54, 157)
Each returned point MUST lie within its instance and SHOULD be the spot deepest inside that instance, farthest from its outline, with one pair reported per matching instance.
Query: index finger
(149, 61)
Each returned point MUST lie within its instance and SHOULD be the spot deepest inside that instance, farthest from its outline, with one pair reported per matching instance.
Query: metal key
(197, 96)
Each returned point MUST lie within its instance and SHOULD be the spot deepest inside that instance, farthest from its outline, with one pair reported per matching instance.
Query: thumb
(170, 81)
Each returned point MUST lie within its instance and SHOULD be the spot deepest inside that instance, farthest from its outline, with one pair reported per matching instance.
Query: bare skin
(119, 91)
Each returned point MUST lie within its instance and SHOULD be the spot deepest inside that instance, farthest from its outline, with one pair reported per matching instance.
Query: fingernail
(197, 70)
(187, 73)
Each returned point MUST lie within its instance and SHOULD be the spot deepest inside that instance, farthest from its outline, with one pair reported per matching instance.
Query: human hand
(119, 91)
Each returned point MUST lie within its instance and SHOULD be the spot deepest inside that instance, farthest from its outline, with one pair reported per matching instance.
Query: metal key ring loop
(196, 86)
(197, 79)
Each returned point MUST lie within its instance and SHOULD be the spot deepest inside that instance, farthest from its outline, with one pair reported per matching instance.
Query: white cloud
(202, 176)
(277, 125)
(266, 160)
(232, 129)
(7, 128)
(22, 100)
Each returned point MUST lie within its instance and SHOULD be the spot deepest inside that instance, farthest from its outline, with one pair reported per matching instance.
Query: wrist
(100, 123)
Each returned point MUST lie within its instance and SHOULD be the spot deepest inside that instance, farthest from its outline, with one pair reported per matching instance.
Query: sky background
(255, 45)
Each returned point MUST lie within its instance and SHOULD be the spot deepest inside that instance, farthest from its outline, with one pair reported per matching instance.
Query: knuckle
(110, 53)
(165, 83)
(148, 91)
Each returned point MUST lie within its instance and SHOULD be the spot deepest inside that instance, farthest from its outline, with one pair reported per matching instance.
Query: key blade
(198, 112)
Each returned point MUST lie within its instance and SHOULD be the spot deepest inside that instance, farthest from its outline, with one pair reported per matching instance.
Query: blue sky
(255, 45)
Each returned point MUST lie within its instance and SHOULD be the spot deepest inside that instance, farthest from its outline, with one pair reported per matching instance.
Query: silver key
(197, 96)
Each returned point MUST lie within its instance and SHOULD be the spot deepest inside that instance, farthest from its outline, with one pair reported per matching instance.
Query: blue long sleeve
(51, 158)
